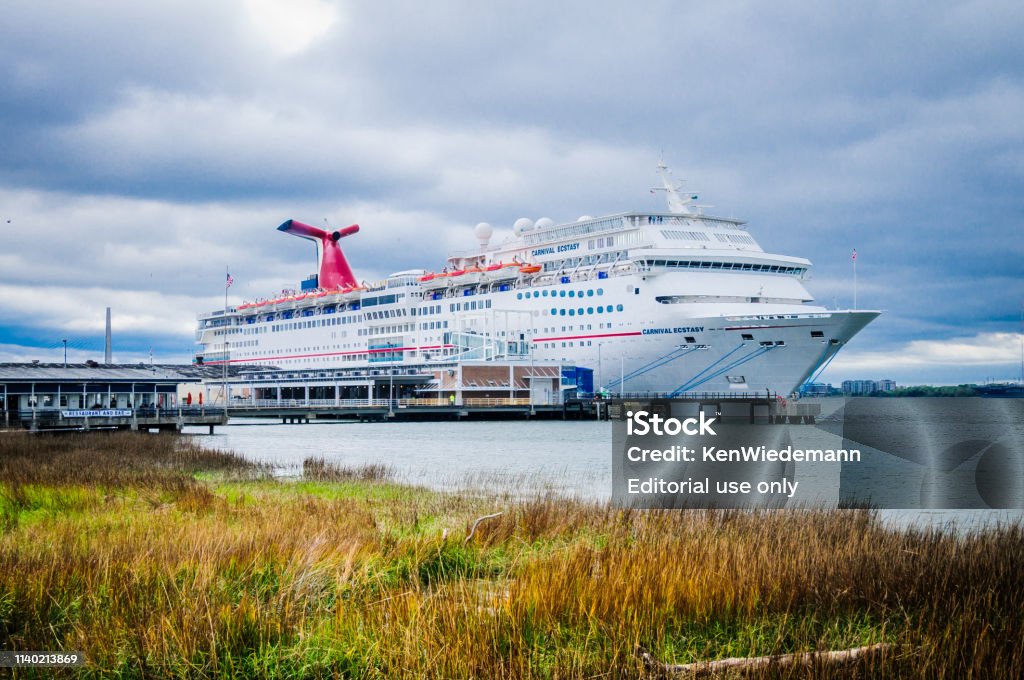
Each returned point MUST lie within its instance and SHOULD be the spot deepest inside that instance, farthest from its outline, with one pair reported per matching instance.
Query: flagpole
(855, 278)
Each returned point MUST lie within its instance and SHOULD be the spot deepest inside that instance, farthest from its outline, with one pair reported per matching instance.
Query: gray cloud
(162, 141)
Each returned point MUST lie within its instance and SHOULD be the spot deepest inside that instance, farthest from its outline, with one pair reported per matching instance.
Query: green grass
(157, 558)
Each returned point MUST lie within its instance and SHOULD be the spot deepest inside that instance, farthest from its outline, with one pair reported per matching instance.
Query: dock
(419, 409)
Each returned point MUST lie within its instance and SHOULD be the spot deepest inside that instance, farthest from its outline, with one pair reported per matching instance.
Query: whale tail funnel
(335, 271)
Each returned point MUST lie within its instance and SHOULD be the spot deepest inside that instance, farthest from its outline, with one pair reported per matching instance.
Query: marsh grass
(111, 546)
(321, 470)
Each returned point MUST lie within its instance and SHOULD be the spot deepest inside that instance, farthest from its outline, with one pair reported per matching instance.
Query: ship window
(600, 291)
(590, 293)
(690, 338)
(817, 334)
(561, 293)
(554, 311)
(600, 309)
(519, 296)
(748, 336)
(572, 293)
(545, 293)
(536, 293)
(561, 312)
(572, 312)
(618, 308)
(590, 310)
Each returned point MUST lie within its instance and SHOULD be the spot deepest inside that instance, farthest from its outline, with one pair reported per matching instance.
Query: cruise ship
(669, 302)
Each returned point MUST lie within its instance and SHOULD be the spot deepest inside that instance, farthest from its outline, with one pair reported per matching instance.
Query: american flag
(229, 281)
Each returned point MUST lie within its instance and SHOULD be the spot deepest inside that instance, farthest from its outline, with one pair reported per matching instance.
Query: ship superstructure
(668, 302)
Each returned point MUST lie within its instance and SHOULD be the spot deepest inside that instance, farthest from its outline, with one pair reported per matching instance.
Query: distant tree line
(930, 391)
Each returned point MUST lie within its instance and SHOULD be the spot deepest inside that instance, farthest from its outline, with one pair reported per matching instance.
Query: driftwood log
(477, 523)
(703, 669)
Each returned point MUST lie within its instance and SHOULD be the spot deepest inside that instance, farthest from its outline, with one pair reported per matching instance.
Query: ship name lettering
(677, 329)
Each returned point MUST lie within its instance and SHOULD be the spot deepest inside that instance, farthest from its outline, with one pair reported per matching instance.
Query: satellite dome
(521, 225)
(483, 232)
(544, 223)
(584, 218)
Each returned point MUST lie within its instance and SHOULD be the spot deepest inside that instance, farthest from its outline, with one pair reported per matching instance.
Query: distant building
(859, 387)
(862, 387)
(816, 389)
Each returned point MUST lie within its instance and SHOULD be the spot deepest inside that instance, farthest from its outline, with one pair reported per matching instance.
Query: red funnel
(334, 269)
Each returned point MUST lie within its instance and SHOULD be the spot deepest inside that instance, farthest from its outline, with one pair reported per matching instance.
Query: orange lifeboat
(512, 264)
(494, 267)
(473, 270)
(428, 277)
(530, 268)
(458, 273)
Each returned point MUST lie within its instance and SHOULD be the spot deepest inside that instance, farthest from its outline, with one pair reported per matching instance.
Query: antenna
(678, 204)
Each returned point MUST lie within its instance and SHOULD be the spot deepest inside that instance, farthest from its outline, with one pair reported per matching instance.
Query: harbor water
(521, 458)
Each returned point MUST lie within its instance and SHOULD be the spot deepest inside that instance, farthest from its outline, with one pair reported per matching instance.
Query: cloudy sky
(146, 146)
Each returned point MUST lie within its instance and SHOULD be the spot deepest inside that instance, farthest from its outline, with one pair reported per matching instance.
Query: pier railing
(412, 402)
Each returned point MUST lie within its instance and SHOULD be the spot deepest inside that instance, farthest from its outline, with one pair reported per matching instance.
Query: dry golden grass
(112, 546)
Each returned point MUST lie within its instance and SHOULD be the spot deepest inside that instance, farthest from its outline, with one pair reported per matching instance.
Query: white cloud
(292, 26)
(83, 310)
(54, 354)
(981, 350)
